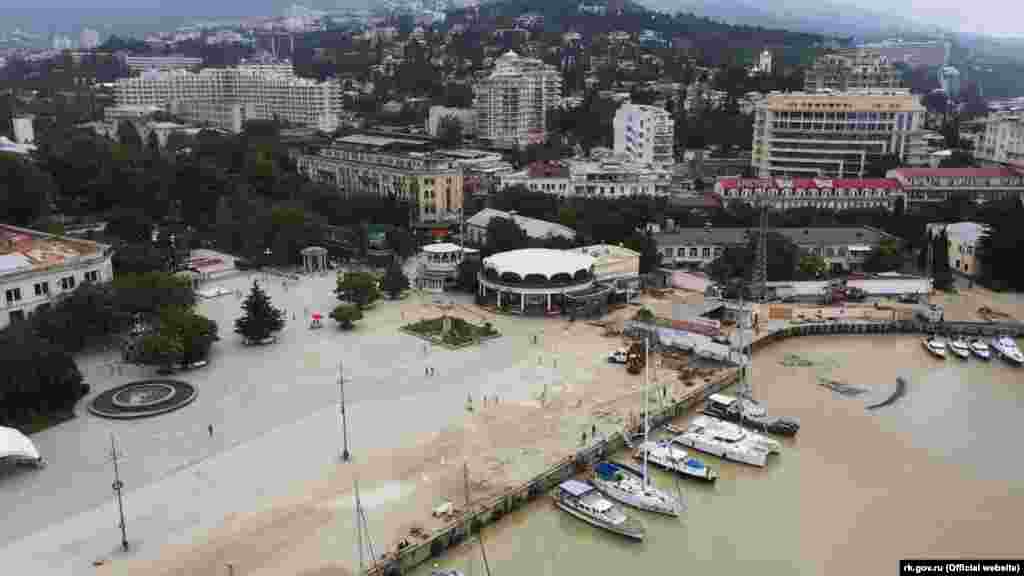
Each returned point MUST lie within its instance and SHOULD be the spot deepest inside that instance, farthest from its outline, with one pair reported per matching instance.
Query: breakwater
(1015, 329)
(402, 561)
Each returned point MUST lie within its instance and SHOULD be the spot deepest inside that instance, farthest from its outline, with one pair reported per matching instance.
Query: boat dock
(404, 560)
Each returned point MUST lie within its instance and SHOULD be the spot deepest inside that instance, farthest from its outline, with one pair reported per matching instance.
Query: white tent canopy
(17, 447)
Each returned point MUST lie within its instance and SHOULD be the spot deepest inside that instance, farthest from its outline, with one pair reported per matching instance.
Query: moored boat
(936, 346)
(727, 440)
(754, 415)
(960, 347)
(980, 349)
(628, 486)
(668, 456)
(582, 500)
(1007, 348)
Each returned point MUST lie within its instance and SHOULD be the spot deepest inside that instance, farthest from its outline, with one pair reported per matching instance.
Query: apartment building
(824, 193)
(804, 134)
(230, 116)
(644, 134)
(390, 167)
(925, 186)
(1003, 139)
(37, 268)
(173, 62)
(607, 178)
(964, 245)
(512, 102)
(855, 69)
(272, 90)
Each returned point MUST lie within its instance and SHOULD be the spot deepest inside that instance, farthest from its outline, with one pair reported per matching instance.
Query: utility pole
(118, 486)
(345, 456)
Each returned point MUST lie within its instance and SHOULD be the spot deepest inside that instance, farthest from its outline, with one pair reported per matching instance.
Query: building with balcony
(854, 69)
(271, 89)
(843, 249)
(644, 134)
(37, 269)
(604, 178)
(512, 102)
(390, 167)
(831, 134)
(964, 241)
(172, 62)
(924, 186)
(439, 265)
(1002, 142)
(466, 118)
(824, 193)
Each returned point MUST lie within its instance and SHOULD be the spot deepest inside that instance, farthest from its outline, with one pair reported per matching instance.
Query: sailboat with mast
(469, 532)
(630, 486)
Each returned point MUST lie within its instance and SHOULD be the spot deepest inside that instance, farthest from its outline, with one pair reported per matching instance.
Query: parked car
(912, 298)
(618, 356)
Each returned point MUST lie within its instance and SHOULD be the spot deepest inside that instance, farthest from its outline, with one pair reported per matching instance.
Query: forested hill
(709, 36)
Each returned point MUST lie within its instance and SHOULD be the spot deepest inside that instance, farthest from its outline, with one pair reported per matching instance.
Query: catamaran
(980, 349)
(727, 440)
(1007, 348)
(937, 346)
(582, 500)
(960, 347)
(630, 486)
(668, 456)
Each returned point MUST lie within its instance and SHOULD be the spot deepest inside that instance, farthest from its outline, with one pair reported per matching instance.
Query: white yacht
(937, 346)
(581, 500)
(960, 347)
(664, 454)
(1006, 347)
(980, 349)
(629, 486)
(728, 440)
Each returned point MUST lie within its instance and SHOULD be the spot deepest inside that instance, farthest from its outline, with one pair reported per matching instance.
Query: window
(13, 295)
(67, 283)
(681, 252)
(42, 288)
(693, 252)
(17, 316)
(92, 276)
(706, 252)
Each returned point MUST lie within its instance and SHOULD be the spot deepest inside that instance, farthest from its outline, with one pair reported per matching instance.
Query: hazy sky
(996, 17)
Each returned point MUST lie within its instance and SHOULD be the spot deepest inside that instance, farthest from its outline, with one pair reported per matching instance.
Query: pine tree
(260, 318)
(395, 281)
(942, 274)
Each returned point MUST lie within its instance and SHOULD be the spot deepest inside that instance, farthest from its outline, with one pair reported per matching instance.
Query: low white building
(439, 265)
(37, 268)
(606, 178)
(465, 116)
(476, 226)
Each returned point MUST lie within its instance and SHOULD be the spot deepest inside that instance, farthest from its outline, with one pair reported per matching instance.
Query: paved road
(274, 413)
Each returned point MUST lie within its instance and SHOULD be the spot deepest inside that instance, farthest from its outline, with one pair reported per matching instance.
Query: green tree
(25, 190)
(395, 281)
(195, 333)
(942, 274)
(359, 288)
(449, 131)
(128, 136)
(139, 258)
(812, 266)
(650, 258)
(259, 319)
(38, 376)
(467, 276)
(346, 315)
(503, 234)
(149, 292)
(153, 142)
(158, 348)
(885, 257)
(878, 166)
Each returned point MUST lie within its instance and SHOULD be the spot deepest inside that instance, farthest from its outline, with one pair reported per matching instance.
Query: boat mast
(469, 525)
(647, 361)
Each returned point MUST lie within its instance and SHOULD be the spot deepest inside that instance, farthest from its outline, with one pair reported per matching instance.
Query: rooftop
(445, 247)
(804, 236)
(990, 172)
(378, 141)
(534, 227)
(22, 249)
(808, 183)
(542, 261)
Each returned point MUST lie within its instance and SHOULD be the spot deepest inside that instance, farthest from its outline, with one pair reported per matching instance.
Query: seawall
(405, 560)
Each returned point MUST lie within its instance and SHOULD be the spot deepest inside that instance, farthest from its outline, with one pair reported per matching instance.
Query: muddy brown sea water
(936, 474)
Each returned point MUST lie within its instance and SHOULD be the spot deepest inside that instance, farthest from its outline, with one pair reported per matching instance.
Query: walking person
(209, 428)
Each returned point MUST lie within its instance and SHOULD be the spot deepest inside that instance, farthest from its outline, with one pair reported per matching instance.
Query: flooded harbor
(934, 474)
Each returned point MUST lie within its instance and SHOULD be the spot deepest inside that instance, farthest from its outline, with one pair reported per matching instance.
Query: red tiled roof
(991, 172)
(807, 183)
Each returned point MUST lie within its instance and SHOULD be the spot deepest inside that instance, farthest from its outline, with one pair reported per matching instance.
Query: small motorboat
(980, 349)
(582, 500)
(937, 346)
(960, 347)
(1008, 350)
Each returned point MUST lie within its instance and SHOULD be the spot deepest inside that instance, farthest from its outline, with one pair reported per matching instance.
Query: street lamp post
(118, 486)
(345, 456)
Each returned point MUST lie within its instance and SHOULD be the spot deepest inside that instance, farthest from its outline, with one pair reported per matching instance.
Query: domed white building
(540, 280)
(439, 265)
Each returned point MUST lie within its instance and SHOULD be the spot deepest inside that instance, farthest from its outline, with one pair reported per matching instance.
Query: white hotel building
(607, 178)
(265, 90)
(833, 134)
(36, 269)
(644, 134)
(1003, 139)
(512, 102)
